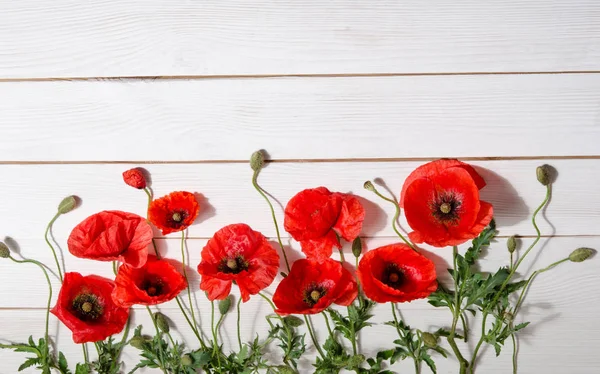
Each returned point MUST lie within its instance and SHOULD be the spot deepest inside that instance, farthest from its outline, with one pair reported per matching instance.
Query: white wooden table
(337, 92)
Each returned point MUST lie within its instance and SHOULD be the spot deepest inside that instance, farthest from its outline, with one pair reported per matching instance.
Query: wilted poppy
(441, 203)
(317, 218)
(156, 282)
(174, 212)
(237, 253)
(85, 306)
(312, 286)
(396, 273)
(112, 235)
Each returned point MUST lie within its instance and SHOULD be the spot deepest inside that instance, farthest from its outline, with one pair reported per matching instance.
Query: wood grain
(32, 192)
(301, 118)
(152, 38)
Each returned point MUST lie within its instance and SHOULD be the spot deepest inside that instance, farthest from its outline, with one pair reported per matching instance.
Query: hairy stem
(456, 315)
(239, 334)
(395, 220)
(189, 289)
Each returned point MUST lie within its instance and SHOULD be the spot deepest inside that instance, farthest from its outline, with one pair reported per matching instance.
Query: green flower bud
(4, 251)
(161, 322)
(257, 160)
(292, 321)
(355, 361)
(356, 247)
(224, 305)
(543, 174)
(137, 342)
(430, 340)
(511, 244)
(186, 360)
(581, 254)
(368, 185)
(67, 205)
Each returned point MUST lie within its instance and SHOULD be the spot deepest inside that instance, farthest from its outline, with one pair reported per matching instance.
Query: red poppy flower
(316, 217)
(135, 178)
(396, 273)
(312, 287)
(237, 253)
(112, 235)
(441, 203)
(85, 306)
(174, 212)
(154, 283)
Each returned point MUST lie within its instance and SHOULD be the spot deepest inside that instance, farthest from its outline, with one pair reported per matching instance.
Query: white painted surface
(514, 117)
(71, 38)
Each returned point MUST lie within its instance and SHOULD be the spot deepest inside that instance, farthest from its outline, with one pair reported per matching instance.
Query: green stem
(158, 333)
(288, 332)
(123, 340)
(312, 336)
(48, 228)
(147, 191)
(456, 315)
(485, 312)
(41, 266)
(239, 334)
(342, 258)
(353, 334)
(328, 325)
(190, 322)
(189, 290)
(114, 266)
(417, 368)
(395, 220)
(214, 333)
(85, 353)
(514, 355)
(465, 327)
(260, 191)
(528, 282)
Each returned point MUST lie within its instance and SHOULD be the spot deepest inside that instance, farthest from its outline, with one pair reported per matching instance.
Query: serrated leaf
(29, 362)
(429, 361)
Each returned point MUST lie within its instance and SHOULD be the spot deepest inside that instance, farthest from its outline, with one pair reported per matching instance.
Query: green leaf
(480, 242)
(29, 362)
(293, 321)
(429, 361)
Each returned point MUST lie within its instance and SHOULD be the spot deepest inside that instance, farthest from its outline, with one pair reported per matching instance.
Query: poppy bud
(257, 160)
(186, 360)
(292, 321)
(4, 251)
(581, 254)
(511, 244)
(543, 174)
(356, 247)
(430, 340)
(137, 342)
(355, 361)
(224, 305)
(135, 178)
(161, 322)
(368, 185)
(67, 205)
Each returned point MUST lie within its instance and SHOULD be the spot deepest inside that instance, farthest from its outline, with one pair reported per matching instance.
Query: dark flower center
(233, 265)
(313, 294)
(153, 286)
(86, 307)
(446, 208)
(393, 276)
(177, 218)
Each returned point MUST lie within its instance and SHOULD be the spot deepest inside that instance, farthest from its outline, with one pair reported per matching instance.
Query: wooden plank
(102, 39)
(316, 118)
(31, 193)
(560, 306)
(569, 287)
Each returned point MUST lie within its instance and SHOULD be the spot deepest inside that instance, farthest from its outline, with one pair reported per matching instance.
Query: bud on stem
(137, 342)
(67, 204)
(161, 322)
(257, 160)
(511, 244)
(224, 305)
(4, 251)
(430, 340)
(543, 174)
(356, 247)
(581, 254)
